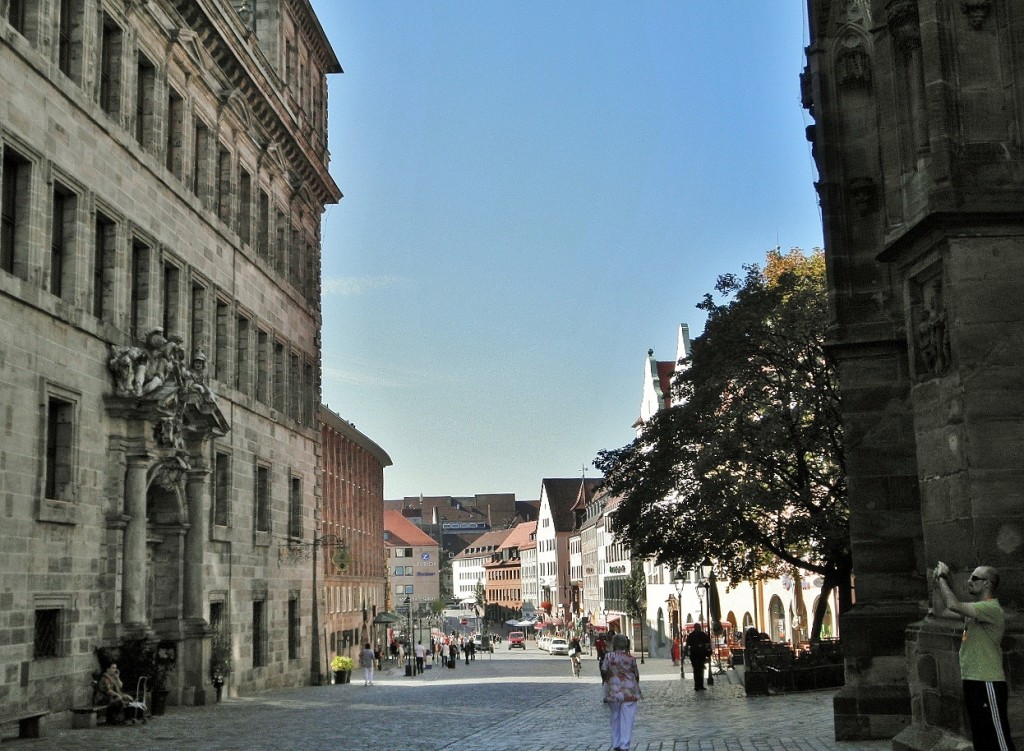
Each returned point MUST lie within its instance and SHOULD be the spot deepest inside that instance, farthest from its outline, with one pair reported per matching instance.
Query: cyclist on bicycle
(575, 650)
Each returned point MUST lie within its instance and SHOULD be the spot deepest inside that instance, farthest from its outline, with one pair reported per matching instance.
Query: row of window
(93, 263)
(263, 495)
(188, 145)
(51, 637)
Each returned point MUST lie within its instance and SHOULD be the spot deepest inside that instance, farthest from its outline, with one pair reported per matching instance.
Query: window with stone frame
(145, 102)
(172, 299)
(263, 226)
(243, 349)
(64, 210)
(309, 394)
(202, 142)
(199, 312)
(263, 499)
(108, 90)
(222, 340)
(295, 507)
(294, 626)
(23, 16)
(139, 284)
(281, 245)
(15, 212)
(174, 148)
(280, 377)
(223, 184)
(259, 632)
(263, 366)
(221, 478)
(295, 388)
(244, 206)
(104, 259)
(70, 28)
(61, 431)
(46, 642)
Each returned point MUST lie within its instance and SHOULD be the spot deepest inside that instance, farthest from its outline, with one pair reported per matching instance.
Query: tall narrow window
(172, 299)
(47, 633)
(145, 100)
(294, 388)
(244, 206)
(224, 184)
(295, 507)
(280, 378)
(259, 634)
(64, 26)
(281, 246)
(139, 284)
(62, 235)
(221, 488)
(263, 225)
(105, 243)
(15, 195)
(201, 162)
(60, 436)
(308, 394)
(198, 323)
(111, 40)
(222, 333)
(175, 134)
(294, 623)
(242, 358)
(23, 15)
(262, 366)
(262, 498)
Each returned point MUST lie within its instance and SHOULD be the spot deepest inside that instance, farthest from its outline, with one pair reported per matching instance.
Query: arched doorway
(827, 625)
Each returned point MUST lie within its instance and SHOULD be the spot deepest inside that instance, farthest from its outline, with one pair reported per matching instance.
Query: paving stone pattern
(508, 702)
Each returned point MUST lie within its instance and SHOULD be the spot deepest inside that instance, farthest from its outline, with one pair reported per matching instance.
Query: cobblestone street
(507, 702)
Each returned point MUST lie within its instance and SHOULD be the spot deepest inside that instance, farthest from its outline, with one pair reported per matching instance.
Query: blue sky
(535, 194)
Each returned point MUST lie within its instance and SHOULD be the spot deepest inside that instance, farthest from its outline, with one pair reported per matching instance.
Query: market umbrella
(714, 606)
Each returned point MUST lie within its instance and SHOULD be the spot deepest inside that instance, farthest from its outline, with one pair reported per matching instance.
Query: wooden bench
(28, 722)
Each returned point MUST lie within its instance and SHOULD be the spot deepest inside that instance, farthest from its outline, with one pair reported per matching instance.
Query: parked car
(516, 639)
(558, 646)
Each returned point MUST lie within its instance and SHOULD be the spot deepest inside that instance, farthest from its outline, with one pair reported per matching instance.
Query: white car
(558, 646)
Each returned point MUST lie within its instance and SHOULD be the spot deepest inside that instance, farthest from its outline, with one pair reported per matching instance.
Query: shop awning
(386, 617)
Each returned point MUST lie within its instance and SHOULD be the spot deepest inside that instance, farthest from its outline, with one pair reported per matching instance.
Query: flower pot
(342, 676)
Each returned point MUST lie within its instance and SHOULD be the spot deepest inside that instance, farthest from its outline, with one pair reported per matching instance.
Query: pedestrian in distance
(453, 654)
(698, 648)
(621, 679)
(981, 656)
(601, 646)
(367, 658)
(421, 655)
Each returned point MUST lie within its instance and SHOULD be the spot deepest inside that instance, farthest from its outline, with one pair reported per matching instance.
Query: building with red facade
(350, 536)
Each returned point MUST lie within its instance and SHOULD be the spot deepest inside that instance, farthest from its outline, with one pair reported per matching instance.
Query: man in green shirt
(981, 656)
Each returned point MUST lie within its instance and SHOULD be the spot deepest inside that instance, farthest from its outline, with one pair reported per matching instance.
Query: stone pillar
(195, 540)
(133, 607)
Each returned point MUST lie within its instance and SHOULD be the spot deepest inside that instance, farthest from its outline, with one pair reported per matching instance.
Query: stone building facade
(352, 531)
(918, 108)
(164, 170)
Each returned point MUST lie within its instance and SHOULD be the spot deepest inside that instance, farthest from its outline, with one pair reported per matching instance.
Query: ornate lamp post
(678, 582)
(705, 581)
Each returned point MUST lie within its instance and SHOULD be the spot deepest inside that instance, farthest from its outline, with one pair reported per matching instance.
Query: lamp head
(705, 568)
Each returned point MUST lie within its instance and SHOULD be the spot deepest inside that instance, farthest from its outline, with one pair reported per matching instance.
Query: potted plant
(138, 658)
(220, 662)
(341, 666)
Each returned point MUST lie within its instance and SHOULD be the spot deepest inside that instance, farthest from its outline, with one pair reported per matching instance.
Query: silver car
(558, 646)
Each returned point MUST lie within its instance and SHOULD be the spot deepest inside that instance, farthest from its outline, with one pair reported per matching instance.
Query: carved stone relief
(931, 333)
(976, 11)
(853, 66)
(904, 24)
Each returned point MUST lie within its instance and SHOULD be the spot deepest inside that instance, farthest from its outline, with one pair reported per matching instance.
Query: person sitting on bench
(113, 693)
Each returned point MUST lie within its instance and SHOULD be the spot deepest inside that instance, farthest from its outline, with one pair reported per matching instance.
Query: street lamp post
(315, 676)
(679, 581)
(705, 576)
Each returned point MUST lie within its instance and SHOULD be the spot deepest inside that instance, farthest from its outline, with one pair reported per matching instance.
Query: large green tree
(748, 466)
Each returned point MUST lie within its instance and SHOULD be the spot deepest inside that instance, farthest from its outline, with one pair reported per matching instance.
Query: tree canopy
(747, 465)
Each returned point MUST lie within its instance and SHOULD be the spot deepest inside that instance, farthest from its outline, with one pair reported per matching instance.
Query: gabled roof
(402, 532)
(562, 495)
(520, 537)
(486, 543)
